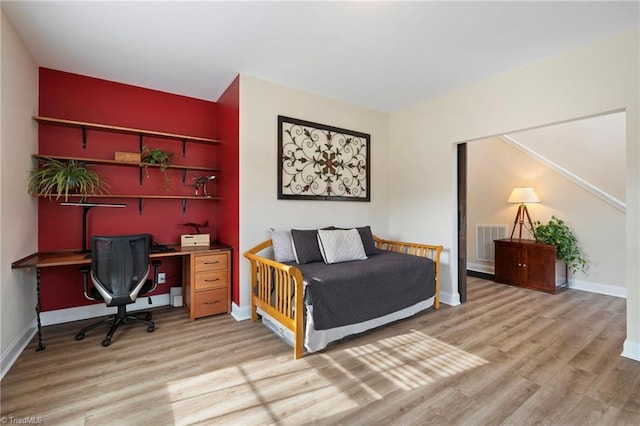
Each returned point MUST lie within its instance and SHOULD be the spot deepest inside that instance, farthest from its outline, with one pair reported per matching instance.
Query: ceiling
(381, 55)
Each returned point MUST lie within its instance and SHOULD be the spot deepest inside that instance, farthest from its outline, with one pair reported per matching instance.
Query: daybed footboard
(271, 280)
(274, 285)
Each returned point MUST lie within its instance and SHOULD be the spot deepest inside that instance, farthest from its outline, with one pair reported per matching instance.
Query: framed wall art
(320, 162)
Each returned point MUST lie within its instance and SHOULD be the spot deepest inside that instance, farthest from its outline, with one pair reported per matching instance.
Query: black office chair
(119, 271)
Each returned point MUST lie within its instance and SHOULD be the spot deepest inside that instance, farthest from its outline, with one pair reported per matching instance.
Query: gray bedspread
(352, 292)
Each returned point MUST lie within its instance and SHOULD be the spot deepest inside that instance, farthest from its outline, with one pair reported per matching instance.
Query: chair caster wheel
(79, 336)
(106, 342)
(150, 329)
(148, 317)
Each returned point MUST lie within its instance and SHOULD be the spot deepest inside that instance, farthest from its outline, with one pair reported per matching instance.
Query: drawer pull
(212, 281)
(212, 303)
(211, 263)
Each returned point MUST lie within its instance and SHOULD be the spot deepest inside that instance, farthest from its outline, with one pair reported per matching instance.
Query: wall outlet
(162, 278)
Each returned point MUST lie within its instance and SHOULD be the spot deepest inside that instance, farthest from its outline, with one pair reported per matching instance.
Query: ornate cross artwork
(320, 162)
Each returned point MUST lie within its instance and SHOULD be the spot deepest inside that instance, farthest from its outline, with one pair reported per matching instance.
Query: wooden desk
(191, 273)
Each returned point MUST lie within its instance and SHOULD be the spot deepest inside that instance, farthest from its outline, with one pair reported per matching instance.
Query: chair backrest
(120, 266)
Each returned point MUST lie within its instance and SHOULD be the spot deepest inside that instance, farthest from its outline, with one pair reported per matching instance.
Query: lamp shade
(523, 194)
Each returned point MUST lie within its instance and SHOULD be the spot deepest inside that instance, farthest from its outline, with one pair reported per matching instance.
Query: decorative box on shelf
(128, 157)
(194, 240)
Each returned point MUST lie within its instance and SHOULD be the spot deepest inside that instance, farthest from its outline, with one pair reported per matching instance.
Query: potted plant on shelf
(53, 177)
(158, 157)
(557, 233)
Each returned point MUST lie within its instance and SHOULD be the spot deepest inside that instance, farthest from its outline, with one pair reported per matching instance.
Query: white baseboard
(631, 350)
(607, 289)
(99, 310)
(593, 287)
(240, 313)
(450, 299)
(478, 267)
(16, 347)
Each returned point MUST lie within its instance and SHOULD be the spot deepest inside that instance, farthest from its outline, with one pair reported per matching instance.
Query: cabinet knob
(212, 303)
(212, 281)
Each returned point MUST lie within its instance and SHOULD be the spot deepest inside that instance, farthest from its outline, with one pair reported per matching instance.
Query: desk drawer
(215, 279)
(211, 262)
(210, 302)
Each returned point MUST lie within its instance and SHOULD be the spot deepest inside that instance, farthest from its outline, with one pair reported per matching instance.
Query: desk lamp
(522, 195)
(85, 210)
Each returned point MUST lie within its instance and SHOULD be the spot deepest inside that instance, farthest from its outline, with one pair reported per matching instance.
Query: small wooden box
(128, 157)
(194, 240)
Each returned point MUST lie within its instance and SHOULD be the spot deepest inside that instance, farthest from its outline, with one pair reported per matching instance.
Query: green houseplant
(557, 233)
(59, 178)
(159, 157)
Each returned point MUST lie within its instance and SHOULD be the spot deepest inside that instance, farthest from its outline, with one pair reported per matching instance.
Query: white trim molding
(605, 196)
(16, 347)
(240, 313)
(450, 299)
(99, 310)
(479, 267)
(631, 350)
(606, 289)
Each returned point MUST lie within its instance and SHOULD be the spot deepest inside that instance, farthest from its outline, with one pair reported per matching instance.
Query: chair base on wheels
(115, 320)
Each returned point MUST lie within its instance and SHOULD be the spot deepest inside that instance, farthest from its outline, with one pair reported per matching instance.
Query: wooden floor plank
(508, 356)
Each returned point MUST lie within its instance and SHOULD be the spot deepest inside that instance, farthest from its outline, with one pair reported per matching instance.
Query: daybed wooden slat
(285, 283)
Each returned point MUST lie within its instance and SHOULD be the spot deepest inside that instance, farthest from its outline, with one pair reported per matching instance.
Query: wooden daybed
(277, 289)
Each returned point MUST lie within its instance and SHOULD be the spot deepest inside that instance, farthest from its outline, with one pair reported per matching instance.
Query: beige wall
(18, 210)
(260, 104)
(600, 77)
(495, 167)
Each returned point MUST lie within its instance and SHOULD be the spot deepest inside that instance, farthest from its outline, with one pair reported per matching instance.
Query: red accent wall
(229, 130)
(75, 97)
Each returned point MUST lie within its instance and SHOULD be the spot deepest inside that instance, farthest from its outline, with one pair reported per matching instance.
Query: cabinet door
(540, 267)
(507, 261)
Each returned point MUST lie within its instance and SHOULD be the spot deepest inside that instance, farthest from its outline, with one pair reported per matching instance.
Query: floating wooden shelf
(85, 126)
(117, 129)
(150, 196)
(127, 164)
(184, 198)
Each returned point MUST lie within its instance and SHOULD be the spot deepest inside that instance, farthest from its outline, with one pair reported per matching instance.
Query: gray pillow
(341, 245)
(367, 240)
(282, 246)
(305, 246)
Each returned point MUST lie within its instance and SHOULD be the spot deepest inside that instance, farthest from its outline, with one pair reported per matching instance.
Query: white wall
(260, 104)
(600, 77)
(593, 149)
(18, 210)
(495, 167)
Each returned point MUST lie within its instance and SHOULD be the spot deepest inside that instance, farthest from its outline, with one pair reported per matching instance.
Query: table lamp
(522, 195)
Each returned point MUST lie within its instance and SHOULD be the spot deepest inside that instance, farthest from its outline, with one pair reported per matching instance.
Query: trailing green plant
(53, 177)
(159, 157)
(557, 233)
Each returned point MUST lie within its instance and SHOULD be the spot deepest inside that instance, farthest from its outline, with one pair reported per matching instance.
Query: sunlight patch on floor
(414, 359)
(319, 385)
(254, 392)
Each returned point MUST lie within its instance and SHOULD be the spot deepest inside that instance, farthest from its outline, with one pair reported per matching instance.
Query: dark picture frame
(321, 162)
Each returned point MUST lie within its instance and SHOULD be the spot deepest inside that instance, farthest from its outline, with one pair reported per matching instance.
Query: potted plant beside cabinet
(61, 178)
(557, 233)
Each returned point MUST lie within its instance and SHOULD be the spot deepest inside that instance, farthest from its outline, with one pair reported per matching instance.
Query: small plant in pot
(159, 157)
(557, 233)
(61, 178)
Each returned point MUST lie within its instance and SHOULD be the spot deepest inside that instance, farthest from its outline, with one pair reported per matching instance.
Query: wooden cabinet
(529, 264)
(206, 282)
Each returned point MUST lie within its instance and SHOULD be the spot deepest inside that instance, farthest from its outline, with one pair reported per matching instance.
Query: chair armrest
(85, 269)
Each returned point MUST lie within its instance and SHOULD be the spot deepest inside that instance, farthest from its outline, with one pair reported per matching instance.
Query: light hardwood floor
(510, 356)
